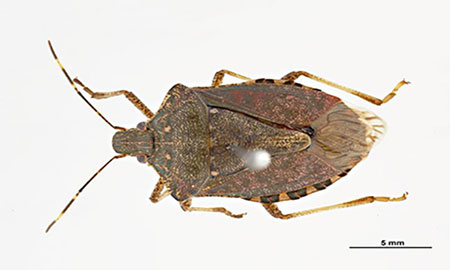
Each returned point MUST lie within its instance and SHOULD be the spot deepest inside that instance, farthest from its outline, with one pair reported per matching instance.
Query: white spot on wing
(255, 160)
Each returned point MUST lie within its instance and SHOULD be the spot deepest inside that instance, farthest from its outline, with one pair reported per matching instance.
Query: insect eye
(142, 159)
(141, 126)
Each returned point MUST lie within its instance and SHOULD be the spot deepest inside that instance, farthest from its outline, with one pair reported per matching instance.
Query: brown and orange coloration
(193, 141)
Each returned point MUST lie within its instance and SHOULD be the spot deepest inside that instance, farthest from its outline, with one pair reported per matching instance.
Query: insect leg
(158, 193)
(218, 77)
(129, 95)
(66, 74)
(295, 74)
(275, 212)
(186, 206)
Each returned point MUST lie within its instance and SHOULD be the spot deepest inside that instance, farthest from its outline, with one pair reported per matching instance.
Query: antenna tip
(50, 226)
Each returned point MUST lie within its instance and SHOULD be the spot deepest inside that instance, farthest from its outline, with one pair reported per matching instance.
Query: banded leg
(186, 206)
(295, 74)
(218, 77)
(275, 212)
(129, 95)
(157, 193)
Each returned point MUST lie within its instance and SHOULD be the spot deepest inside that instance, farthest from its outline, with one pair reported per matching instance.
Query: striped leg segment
(186, 206)
(218, 77)
(276, 212)
(129, 95)
(158, 194)
(295, 74)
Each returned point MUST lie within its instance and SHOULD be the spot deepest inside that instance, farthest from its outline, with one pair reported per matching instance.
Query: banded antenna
(106, 164)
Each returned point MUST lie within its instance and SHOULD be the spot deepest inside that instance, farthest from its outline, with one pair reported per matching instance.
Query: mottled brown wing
(344, 136)
(341, 139)
(285, 173)
(287, 105)
(181, 141)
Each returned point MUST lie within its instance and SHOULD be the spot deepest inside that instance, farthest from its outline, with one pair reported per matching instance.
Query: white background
(52, 142)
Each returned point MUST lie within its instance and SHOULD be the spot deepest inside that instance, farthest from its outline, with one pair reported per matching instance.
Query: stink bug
(199, 139)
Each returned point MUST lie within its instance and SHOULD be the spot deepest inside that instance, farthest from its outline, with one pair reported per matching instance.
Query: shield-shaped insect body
(203, 140)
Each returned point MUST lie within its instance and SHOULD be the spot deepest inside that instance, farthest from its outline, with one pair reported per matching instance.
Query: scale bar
(391, 247)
